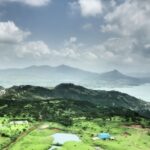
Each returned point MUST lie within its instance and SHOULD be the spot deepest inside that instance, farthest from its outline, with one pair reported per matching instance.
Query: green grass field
(36, 140)
(9, 132)
(126, 137)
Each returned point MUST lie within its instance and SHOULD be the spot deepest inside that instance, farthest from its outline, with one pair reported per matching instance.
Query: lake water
(142, 91)
(61, 138)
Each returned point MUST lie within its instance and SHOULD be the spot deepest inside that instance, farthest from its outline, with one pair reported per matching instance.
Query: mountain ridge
(45, 75)
(102, 99)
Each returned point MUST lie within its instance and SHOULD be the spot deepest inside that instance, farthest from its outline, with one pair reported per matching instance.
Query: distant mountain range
(51, 76)
(108, 101)
(141, 74)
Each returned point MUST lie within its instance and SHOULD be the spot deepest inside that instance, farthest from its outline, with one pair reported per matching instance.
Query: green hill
(112, 102)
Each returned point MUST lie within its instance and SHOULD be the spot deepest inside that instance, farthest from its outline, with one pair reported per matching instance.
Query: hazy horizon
(77, 67)
(97, 35)
(135, 74)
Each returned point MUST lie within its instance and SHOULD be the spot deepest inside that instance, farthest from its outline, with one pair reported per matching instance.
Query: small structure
(104, 136)
(19, 122)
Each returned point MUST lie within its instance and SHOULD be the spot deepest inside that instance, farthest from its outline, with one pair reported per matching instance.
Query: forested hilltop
(69, 100)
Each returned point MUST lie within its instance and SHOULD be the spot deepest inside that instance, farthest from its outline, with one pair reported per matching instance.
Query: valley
(31, 115)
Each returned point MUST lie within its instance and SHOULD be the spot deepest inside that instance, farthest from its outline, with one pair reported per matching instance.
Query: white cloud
(129, 18)
(88, 7)
(113, 3)
(129, 21)
(147, 46)
(120, 45)
(69, 53)
(35, 3)
(110, 28)
(74, 7)
(73, 39)
(10, 33)
(34, 48)
(13, 43)
(71, 48)
(128, 60)
(72, 42)
(87, 26)
(90, 56)
(114, 51)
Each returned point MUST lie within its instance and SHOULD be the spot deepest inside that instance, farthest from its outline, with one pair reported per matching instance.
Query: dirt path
(21, 136)
(139, 127)
(43, 126)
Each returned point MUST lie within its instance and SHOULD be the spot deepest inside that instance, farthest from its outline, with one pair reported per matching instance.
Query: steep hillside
(26, 92)
(101, 98)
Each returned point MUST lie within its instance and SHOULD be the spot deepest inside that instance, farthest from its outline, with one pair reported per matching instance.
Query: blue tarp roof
(104, 136)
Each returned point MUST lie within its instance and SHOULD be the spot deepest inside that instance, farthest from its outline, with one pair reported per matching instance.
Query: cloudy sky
(96, 35)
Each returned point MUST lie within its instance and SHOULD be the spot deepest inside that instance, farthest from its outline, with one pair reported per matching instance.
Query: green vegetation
(29, 116)
(9, 131)
(109, 102)
(39, 139)
(133, 137)
(76, 146)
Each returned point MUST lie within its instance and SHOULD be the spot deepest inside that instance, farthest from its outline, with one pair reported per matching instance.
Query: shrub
(148, 133)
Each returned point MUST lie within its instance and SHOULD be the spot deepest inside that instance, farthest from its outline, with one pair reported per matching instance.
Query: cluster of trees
(62, 111)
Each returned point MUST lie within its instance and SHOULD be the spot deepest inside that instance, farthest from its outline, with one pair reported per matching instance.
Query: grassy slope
(4, 141)
(9, 132)
(76, 146)
(136, 139)
(40, 139)
(36, 140)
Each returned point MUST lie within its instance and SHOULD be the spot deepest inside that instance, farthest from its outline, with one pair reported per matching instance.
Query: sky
(94, 35)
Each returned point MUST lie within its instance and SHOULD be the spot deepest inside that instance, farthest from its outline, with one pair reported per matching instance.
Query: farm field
(133, 137)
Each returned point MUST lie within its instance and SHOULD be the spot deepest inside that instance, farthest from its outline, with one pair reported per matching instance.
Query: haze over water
(141, 92)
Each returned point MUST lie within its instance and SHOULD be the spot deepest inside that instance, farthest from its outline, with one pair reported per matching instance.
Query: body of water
(141, 92)
(61, 138)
